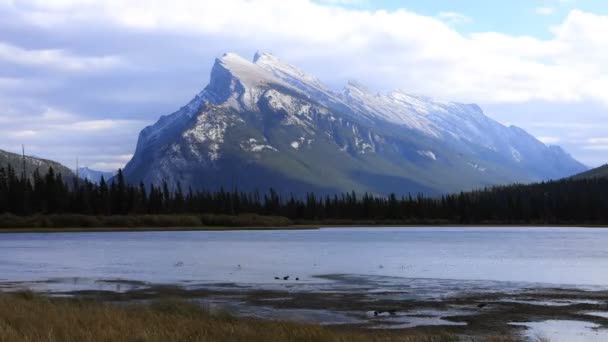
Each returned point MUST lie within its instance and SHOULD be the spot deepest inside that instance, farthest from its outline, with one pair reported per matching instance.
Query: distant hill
(599, 172)
(94, 176)
(32, 163)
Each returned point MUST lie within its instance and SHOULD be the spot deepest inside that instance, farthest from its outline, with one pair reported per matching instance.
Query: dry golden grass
(499, 339)
(60, 222)
(29, 317)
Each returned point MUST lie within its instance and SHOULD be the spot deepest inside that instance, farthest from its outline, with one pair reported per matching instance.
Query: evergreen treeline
(565, 201)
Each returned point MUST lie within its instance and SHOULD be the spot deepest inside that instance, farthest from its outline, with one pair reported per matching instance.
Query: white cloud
(545, 10)
(61, 135)
(107, 166)
(97, 127)
(11, 83)
(343, 2)
(455, 18)
(55, 58)
(53, 114)
(25, 83)
(598, 141)
(110, 162)
(23, 133)
(384, 49)
(393, 49)
(124, 157)
(93, 125)
(549, 140)
(596, 147)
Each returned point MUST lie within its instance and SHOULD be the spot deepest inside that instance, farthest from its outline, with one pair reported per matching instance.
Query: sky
(81, 78)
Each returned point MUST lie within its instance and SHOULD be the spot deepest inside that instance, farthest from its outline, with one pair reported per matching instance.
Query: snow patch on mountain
(288, 105)
(210, 129)
(287, 72)
(252, 145)
(516, 154)
(249, 74)
(428, 154)
(238, 83)
(387, 108)
(477, 167)
(416, 103)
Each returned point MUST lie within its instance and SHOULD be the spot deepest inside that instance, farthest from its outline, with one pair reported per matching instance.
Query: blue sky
(516, 17)
(81, 78)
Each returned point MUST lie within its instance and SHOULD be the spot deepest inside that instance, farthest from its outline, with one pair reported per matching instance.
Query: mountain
(266, 123)
(94, 176)
(598, 172)
(33, 163)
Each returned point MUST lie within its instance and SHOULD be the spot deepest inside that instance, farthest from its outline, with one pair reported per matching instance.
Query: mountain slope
(31, 164)
(598, 172)
(267, 124)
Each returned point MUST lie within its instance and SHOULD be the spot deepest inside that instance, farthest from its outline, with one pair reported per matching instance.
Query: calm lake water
(562, 256)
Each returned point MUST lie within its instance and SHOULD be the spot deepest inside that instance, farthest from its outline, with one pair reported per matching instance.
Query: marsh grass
(29, 317)
(9, 221)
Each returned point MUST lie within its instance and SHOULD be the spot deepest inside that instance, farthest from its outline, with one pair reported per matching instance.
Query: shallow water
(554, 302)
(558, 256)
(564, 331)
(597, 314)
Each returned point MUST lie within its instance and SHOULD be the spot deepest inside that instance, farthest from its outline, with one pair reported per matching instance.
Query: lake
(564, 256)
(421, 276)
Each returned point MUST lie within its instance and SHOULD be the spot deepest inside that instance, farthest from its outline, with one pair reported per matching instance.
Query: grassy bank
(29, 317)
(10, 222)
(75, 223)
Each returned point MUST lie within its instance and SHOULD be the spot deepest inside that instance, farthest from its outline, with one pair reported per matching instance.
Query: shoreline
(297, 227)
(28, 316)
(473, 314)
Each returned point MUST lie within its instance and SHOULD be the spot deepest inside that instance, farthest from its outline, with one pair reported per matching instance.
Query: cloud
(598, 141)
(343, 2)
(11, 83)
(109, 66)
(545, 10)
(386, 47)
(110, 162)
(549, 140)
(23, 133)
(61, 135)
(596, 148)
(454, 18)
(107, 166)
(55, 58)
(94, 125)
(54, 114)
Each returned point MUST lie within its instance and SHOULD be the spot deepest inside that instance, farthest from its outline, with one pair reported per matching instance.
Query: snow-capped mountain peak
(237, 82)
(266, 123)
(357, 86)
(250, 74)
(389, 108)
(288, 73)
